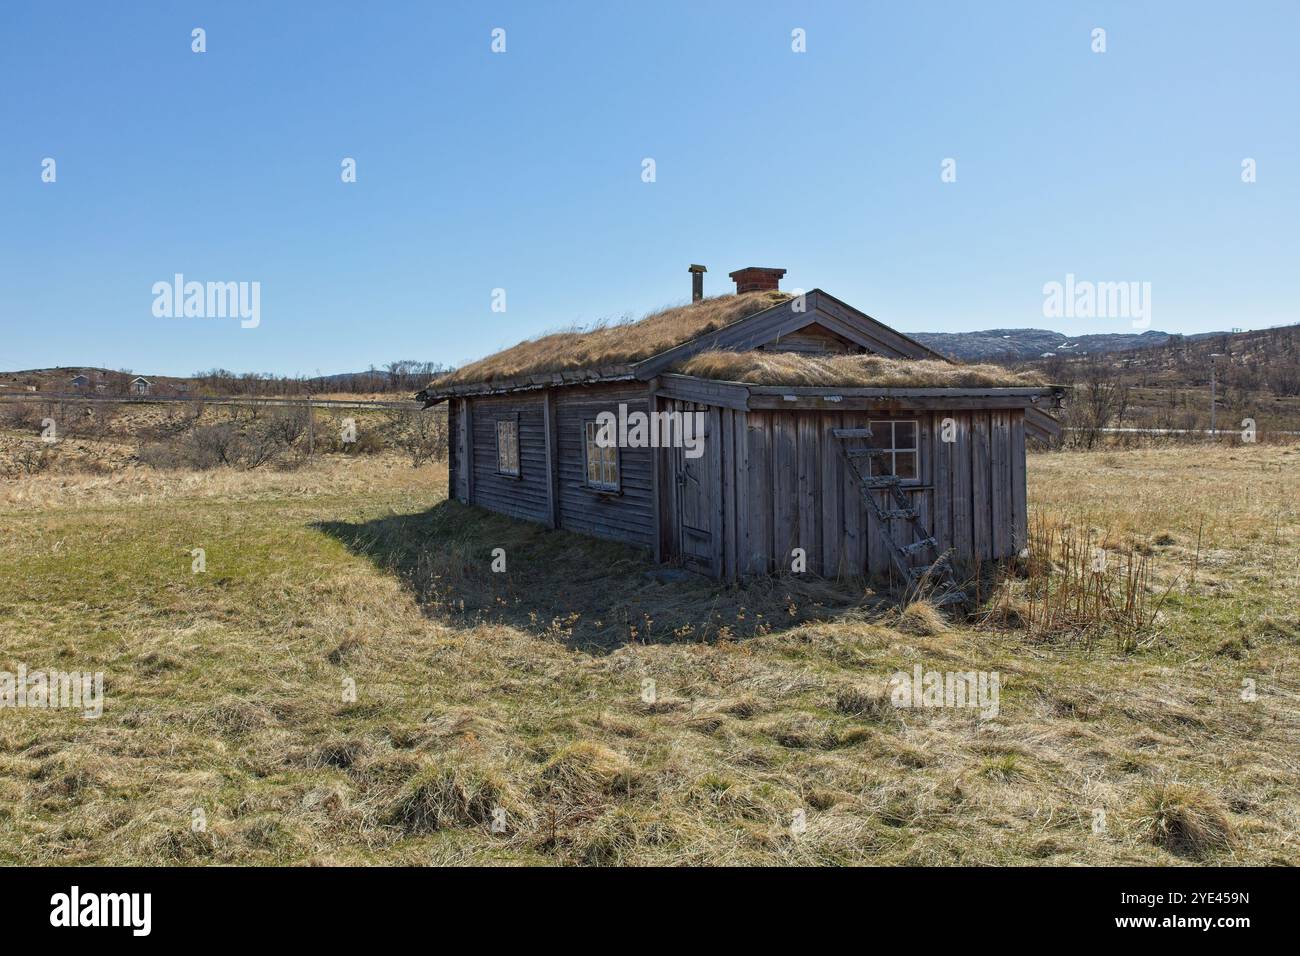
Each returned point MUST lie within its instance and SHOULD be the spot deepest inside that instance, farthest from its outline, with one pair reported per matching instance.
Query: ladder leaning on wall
(934, 577)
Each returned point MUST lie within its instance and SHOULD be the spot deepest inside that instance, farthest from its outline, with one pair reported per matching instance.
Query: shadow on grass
(589, 594)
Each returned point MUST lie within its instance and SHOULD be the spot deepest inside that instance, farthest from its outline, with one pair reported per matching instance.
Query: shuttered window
(508, 447)
(897, 442)
(602, 463)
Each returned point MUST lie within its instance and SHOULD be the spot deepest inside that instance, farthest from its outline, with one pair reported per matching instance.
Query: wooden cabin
(822, 430)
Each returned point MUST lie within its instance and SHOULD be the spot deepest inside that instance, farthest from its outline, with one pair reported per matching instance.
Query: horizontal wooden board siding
(627, 516)
(812, 340)
(527, 495)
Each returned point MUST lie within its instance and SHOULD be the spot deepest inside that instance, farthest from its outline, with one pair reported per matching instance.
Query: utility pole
(1214, 392)
(311, 427)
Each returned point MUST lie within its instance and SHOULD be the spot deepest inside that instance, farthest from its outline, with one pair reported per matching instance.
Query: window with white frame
(602, 463)
(897, 443)
(508, 447)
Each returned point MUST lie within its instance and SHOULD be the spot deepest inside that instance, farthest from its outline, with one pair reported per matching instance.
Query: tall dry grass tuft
(584, 772)
(1186, 821)
(452, 793)
(920, 619)
(1075, 586)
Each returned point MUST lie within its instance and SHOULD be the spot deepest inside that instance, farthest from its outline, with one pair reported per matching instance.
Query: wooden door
(695, 504)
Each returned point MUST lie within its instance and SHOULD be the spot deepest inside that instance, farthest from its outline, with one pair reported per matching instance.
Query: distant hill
(1264, 360)
(403, 377)
(1023, 344)
(89, 380)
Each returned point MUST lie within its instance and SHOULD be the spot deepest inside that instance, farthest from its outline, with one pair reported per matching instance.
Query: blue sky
(523, 170)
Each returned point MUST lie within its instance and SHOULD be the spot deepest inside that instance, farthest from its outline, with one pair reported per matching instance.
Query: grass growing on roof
(848, 371)
(613, 343)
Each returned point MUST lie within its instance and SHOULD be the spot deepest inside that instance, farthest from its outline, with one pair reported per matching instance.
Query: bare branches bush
(267, 438)
(420, 433)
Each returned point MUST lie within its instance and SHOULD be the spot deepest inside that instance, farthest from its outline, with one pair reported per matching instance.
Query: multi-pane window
(602, 463)
(897, 441)
(508, 446)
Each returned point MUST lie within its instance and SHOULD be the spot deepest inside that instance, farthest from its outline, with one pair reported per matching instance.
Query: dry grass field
(520, 698)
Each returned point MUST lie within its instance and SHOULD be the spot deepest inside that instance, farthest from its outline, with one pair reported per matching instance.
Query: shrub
(20, 416)
(262, 440)
(165, 456)
(422, 434)
(210, 445)
(29, 460)
(369, 442)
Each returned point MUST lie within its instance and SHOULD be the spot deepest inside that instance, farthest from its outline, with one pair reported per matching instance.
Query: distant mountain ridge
(1023, 344)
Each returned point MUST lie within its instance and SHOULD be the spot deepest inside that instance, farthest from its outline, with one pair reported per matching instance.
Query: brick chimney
(757, 279)
(697, 282)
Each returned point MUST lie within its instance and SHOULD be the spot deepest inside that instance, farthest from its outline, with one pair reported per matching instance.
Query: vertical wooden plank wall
(923, 501)
(1019, 491)
(735, 485)
(784, 505)
(758, 531)
(739, 451)
(798, 491)
(727, 500)
(853, 510)
(831, 496)
(808, 485)
(713, 448)
(1000, 480)
(981, 475)
(963, 518)
(941, 470)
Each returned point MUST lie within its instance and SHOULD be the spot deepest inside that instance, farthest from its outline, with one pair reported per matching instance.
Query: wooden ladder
(935, 575)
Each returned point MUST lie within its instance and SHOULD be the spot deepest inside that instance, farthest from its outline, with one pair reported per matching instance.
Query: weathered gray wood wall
(786, 485)
(552, 487)
(627, 515)
(457, 457)
(812, 340)
(775, 480)
(527, 496)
